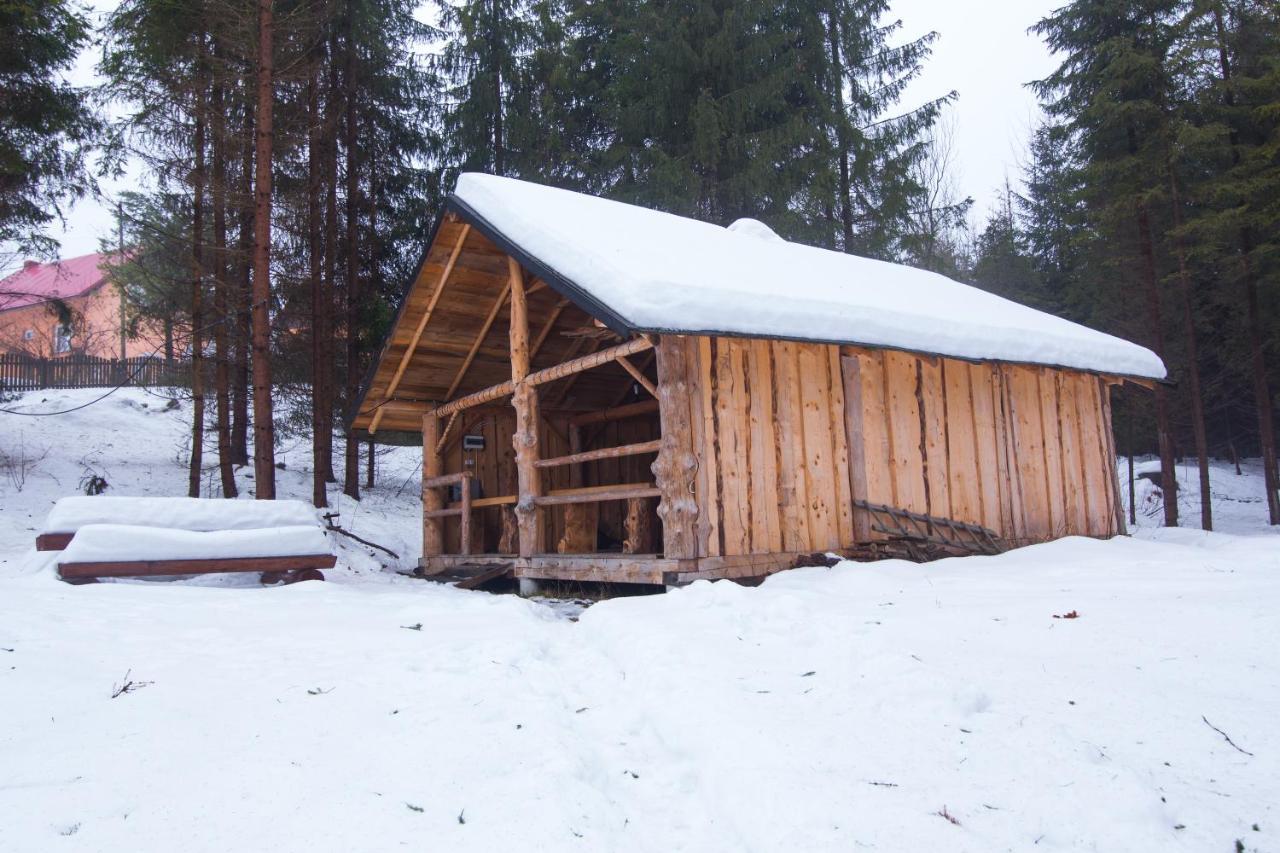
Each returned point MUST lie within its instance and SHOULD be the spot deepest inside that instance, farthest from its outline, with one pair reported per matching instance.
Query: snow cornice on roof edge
(640, 270)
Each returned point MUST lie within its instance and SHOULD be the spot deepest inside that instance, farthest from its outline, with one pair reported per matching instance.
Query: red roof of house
(37, 282)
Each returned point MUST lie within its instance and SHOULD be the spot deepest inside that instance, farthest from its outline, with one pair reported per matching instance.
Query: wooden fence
(26, 373)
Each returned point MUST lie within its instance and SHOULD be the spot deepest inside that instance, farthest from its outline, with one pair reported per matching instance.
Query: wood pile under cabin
(609, 393)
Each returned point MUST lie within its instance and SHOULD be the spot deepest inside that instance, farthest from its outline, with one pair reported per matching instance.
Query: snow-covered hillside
(881, 707)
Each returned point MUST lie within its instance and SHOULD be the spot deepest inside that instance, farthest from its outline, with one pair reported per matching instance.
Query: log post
(464, 517)
(432, 466)
(639, 530)
(525, 400)
(677, 464)
(579, 519)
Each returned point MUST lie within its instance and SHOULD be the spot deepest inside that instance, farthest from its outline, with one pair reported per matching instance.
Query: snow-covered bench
(125, 550)
(202, 514)
(129, 537)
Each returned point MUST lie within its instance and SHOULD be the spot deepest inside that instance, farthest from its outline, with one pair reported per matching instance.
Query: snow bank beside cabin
(70, 514)
(110, 543)
(664, 273)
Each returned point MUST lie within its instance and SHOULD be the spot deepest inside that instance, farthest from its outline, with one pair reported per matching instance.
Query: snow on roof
(64, 279)
(657, 272)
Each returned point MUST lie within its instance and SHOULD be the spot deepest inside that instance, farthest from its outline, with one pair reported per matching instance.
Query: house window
(62, 338)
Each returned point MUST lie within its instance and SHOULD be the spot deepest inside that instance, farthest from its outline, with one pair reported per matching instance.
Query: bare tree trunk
(842, 135)
(1164, 437)
(1193, 357)
(330, 247)
(263, 427)
(351, 476)
(222, 373)
(368, 470)
(197, 288)
(1257, 356)
(319, 344)
(244, 303)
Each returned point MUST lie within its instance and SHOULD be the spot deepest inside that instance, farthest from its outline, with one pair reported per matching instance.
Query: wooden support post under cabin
(525, 438)
(676, 466)
(639, 529)
(464, 519)
(580, 520)
(432, 466)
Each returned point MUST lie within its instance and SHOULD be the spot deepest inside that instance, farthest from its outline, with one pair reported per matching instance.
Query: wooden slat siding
(1024, 394)
(903, 413)
(709, 519)
(1076, 486)
(963, 464)
(1117, 516)
(1052, 438)
(1090, 448)
(766, 512)
(839, 447)
(793, 492)
(856, 440)
(934, 419)
(1018, 518)
(986, 448)
(877, 440)
(815, 391)
(734, 473)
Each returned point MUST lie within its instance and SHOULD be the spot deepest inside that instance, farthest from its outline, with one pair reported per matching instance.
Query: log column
(580, 520)
(676, 466)
(525, 400)
(432, 466)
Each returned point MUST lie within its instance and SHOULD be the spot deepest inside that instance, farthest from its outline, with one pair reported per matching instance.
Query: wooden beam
(603, 453)
(546, 329)
(638, 376)
(475, 345)
(142, 568)
(432, 466)
(525, 437)
(589, 361)
(422, 324)
(596, 494)
(617, 413)
(472, 400)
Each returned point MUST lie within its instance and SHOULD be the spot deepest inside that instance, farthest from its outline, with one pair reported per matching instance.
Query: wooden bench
(286, 553)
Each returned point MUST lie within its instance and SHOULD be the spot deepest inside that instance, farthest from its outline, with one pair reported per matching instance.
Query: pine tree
(46, 127)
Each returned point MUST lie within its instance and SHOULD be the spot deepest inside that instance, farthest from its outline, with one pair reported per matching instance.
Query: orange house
(69, 306)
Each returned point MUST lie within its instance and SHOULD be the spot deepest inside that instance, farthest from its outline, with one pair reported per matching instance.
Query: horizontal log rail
(597, 494)
(443, 513)
(446, 480)
(587, 362)
(637, 449)
(549, 374)
(616, 413)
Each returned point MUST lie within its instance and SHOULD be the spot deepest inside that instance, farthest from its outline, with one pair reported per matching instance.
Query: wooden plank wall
(1019, 449)
(770, 438)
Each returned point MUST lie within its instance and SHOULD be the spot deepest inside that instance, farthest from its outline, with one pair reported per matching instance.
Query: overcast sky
(985, 53)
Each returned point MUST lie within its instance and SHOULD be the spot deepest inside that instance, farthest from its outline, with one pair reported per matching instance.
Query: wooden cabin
(609, 393)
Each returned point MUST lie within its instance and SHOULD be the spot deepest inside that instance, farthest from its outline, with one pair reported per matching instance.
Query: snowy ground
(829, 709)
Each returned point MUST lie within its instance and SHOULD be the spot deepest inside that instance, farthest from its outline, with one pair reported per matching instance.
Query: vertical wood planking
(766, 509)
(934, 411)
(1092, 457)
(730, 421)
(877, 446)
(1016, 504)
(1028, 434)
(675, 467)
(965, 473)
(903, 412)
(813, 367)
(1052, 435)
(793, 495)
(1118, 524)
(843, 499)
(709, 507)
(854, 413)
(1075, 485)
(986, 448)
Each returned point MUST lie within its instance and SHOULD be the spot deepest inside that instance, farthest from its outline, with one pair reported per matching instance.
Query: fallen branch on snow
(334, 528)
(1225, 736)
(128, 686)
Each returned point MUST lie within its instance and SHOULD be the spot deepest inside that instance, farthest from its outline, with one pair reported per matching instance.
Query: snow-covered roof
(643, 270)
